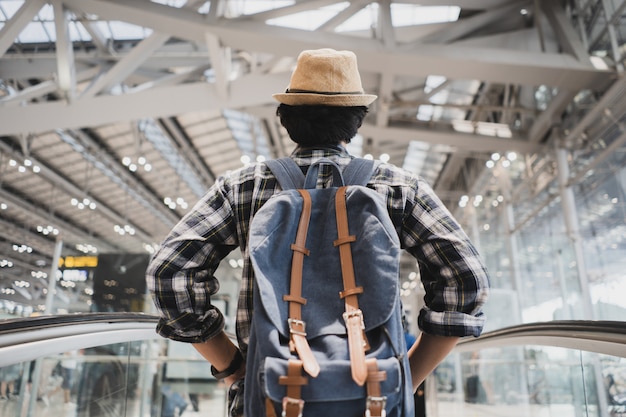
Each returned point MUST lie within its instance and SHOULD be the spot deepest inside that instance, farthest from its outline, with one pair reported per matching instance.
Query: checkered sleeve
(454, 276)
(180, 274)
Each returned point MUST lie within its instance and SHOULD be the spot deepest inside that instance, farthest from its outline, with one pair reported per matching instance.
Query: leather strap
(297, 327)
(353, 317)
(292, 402)
(375, 403)
(269, 408)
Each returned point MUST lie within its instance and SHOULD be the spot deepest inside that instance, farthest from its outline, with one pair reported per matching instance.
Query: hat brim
(312, 99)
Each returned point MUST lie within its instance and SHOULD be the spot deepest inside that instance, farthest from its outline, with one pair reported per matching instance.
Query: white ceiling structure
(116, 115)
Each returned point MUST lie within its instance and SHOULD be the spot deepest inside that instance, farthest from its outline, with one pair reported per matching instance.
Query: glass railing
(101, 365)
(560, 369)
(109, 365)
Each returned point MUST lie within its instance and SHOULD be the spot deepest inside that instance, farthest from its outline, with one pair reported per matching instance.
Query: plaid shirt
(181, 277)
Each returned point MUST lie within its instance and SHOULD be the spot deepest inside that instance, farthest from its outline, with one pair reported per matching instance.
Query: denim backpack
(326, 336)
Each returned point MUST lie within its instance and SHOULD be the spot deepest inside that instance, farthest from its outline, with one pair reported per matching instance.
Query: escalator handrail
(22, 324)
(26, 339)
(605, 337)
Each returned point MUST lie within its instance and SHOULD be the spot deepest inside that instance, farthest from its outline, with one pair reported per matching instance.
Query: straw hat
(325, 77)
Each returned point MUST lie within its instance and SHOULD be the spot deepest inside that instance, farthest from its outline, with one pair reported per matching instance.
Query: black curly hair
(321, 125)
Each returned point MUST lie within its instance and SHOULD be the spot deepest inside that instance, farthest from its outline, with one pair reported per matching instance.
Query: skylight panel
(364, 19)
(32, 33)
(245, 7)
(409, 15)
(125, 31)
(103, 28)
(425, 112)
(78, 31)
(9, 8)
(248, 134)
(432, 82)
(46, 14)
(309, 20)
(499, 130)
(171, 3)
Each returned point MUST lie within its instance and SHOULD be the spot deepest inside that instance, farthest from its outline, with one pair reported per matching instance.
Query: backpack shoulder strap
(287, 173)
(359, 171)
(313, 171)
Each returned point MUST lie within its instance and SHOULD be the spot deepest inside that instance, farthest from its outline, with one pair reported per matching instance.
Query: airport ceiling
(116, 115)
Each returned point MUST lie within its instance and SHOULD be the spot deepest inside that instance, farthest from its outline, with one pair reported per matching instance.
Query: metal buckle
(296, 322)
(370, 400)
(287, 401)
(355, 313)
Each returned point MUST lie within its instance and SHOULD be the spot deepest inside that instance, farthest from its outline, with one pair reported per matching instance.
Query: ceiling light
(48, 230)
(173, 204)
(22, 248)
(149, 248)
(86, 248)
(126, 229)
(85, 203)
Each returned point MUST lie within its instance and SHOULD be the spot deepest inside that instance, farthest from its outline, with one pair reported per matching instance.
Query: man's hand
(426, 353)
(220, 351)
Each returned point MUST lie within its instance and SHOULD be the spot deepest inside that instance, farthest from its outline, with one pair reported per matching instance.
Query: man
(321, 110)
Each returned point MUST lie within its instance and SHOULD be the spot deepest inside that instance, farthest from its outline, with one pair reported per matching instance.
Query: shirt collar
(320, 151)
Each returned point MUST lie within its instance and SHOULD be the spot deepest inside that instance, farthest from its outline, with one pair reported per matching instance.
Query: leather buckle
(382, 402)
(292, 401)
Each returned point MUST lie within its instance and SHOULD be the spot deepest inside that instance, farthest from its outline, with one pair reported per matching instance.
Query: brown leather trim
(375, 402)
(269, 408)
(292, 402)
(353, 317)
(297, 327)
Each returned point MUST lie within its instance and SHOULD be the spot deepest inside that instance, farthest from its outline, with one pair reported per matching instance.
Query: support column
(570, 215)
(508, 220)
(52, 277)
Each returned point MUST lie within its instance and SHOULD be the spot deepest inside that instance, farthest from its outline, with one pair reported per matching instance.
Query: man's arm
(220, 351)
(426, 353)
